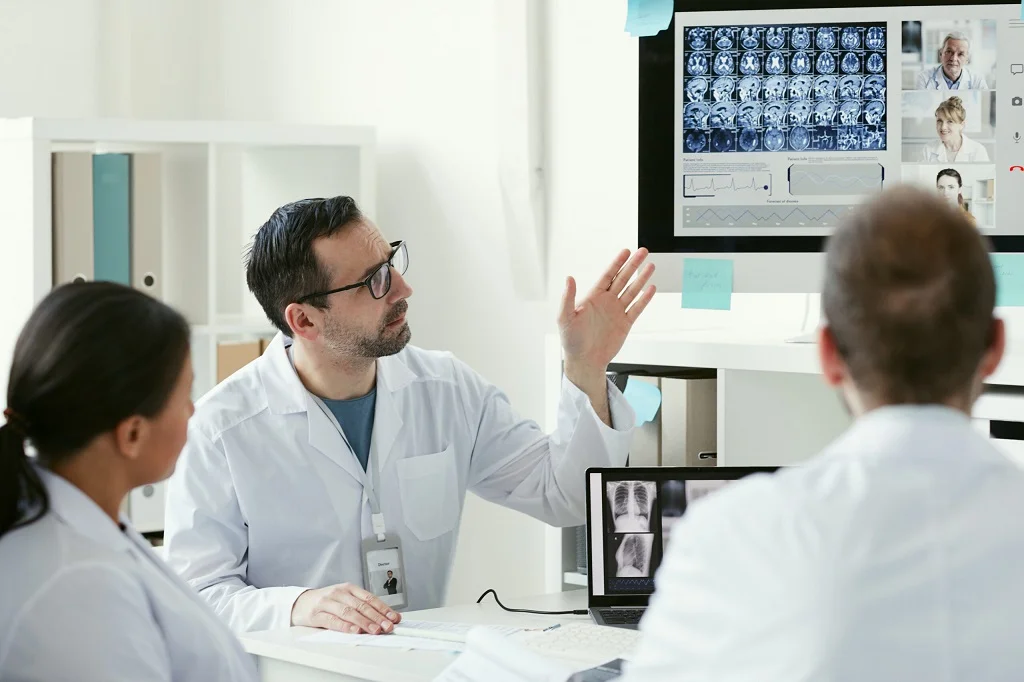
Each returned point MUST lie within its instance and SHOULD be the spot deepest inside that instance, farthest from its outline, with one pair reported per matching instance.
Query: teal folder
(111, 218)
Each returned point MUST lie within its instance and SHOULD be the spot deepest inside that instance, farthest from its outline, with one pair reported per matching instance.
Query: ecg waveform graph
(835, 179)
(763, 216)
(740, 186)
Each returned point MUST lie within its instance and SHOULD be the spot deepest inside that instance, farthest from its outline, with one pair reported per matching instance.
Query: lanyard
(376, 517)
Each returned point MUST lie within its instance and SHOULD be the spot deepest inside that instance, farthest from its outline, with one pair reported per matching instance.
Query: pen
(553, 627)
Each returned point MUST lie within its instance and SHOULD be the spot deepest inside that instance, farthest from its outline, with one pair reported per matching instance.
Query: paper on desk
(383, 641)
(454, 632)
(491, 657)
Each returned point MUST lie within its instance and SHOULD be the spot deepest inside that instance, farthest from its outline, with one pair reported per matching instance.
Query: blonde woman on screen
(953, 144)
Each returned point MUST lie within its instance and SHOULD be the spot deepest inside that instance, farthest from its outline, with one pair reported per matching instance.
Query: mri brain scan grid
(792, 88)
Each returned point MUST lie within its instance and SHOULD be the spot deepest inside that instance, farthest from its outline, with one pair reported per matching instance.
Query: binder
(689, 421)
(111, 218)
(147, 224)
(72, 217)
(233, 356)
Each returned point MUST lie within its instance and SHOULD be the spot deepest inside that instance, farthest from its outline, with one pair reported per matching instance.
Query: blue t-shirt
(356, 419)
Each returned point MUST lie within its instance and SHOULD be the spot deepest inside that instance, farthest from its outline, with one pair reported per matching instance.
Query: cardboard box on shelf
(234, 355)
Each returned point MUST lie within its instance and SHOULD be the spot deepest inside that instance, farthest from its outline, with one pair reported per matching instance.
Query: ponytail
(23, 497)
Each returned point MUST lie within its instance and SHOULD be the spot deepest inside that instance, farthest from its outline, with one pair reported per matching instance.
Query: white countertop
(753, 350)
(392, 665)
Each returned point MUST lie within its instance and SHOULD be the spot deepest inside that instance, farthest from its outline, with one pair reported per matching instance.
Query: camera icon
(1016, 102)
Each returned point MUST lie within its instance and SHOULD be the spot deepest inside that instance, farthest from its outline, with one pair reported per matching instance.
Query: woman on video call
(950, 186)
(953, 144)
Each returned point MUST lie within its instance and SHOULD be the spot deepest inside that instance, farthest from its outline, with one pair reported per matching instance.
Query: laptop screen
(630, 515)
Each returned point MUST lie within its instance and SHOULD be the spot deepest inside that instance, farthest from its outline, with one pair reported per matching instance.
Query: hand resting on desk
(345, 608)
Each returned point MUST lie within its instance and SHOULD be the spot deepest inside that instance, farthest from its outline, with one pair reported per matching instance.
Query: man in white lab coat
(343, 432)
(896, 554)
(952, 73)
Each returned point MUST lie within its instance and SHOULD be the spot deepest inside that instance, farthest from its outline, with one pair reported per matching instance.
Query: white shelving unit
(220, 182)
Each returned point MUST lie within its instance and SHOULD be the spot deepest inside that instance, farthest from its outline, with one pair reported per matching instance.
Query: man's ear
(299, 317)
(996, 348)
(832, 366)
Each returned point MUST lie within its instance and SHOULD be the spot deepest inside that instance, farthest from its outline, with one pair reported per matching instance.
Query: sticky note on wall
(648, 17)
(1009, 270)
(645, 399)
(707, 283)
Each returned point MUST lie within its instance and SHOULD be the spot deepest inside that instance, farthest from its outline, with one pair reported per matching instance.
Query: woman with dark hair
(950, 186)
(98, 403)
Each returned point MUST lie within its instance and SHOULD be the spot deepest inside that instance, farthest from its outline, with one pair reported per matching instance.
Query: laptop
(630, 513)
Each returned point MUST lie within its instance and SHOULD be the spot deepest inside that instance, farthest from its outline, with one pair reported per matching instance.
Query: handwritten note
(644, 398)
(707, 283)
(648, 17)
(1009, 269)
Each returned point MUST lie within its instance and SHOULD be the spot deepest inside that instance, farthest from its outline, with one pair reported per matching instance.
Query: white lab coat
(896, 555)
(83, 601)
(970, 152)
(268, 499)
(932, 78)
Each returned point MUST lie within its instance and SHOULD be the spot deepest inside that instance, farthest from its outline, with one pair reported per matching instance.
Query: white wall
(423, 74)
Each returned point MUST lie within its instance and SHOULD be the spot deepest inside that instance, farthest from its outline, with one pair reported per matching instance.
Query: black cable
(577, 612)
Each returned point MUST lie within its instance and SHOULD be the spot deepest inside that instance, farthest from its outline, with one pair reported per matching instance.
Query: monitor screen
(631, 512)
(785, 118)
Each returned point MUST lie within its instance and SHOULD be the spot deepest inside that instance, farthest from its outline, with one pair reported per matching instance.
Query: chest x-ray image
(633, 555)
(632, 504)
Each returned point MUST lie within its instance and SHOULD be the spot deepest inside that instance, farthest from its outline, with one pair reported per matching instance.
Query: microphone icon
(1016, 137)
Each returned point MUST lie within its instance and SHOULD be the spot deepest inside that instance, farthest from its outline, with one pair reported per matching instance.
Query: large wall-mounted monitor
(762, 123)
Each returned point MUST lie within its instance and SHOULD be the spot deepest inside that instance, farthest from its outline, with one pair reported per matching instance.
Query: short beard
(384, 343)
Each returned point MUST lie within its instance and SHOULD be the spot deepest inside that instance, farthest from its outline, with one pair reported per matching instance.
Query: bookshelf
(218, 182)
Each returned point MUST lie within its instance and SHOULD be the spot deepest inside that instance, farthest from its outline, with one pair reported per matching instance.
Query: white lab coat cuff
(281, 599)
(619, 436)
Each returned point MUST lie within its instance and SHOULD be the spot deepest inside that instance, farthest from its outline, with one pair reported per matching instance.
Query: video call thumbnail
(797, 87)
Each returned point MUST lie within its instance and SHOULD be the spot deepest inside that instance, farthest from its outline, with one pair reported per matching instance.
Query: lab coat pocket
(430, 493)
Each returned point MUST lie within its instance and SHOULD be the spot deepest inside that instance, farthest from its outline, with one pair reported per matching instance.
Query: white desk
(283, 657)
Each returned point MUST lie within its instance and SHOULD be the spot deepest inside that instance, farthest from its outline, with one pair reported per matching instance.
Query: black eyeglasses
(379, 281)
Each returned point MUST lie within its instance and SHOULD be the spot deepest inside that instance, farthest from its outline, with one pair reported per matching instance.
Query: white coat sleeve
(90, 623)
(516, 464)
(206, 541)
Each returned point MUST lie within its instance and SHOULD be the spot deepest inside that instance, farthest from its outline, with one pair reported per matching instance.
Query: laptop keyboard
(621, 616)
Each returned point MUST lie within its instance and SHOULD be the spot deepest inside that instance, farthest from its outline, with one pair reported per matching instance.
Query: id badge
(385, 570)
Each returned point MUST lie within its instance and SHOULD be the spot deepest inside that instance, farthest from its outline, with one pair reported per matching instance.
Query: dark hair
(951, 173)
(281, 266)
(909, 297)
(91, 355)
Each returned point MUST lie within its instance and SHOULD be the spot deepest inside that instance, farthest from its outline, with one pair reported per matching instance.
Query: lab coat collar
(79, 511)
(286, 394)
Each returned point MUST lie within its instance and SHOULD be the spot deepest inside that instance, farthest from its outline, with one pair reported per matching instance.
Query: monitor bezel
(655, 149)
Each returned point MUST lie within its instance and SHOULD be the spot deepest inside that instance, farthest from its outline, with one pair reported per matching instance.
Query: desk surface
(391, 665)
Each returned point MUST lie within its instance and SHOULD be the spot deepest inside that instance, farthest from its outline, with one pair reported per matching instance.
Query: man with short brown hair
(896, 554)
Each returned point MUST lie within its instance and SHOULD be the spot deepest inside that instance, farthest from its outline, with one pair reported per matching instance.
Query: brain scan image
(696, 89)
(800, 38)
(748, 89)
(806, 87)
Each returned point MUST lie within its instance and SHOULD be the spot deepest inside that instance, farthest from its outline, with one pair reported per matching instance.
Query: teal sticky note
(707, 283)
(644, 398)
(1009, 269)
(648, 17)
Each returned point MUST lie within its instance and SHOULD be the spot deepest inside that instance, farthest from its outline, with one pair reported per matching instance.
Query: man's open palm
(594, 330)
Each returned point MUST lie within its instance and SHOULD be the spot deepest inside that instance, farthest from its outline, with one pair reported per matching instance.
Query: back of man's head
(908, 297)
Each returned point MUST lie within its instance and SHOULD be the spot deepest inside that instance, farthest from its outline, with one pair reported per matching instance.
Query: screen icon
(1016, 137)
(1016, 69)
(1016, 102)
